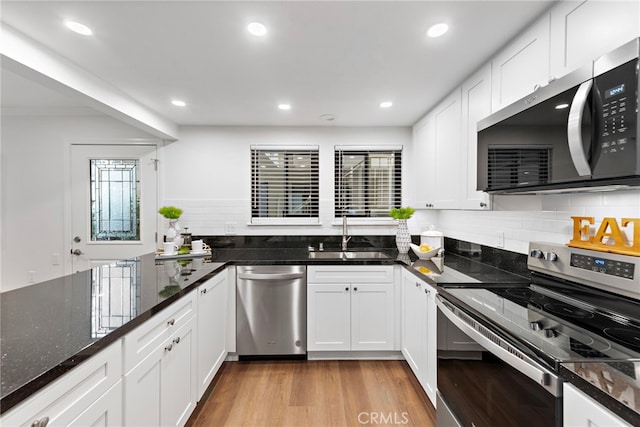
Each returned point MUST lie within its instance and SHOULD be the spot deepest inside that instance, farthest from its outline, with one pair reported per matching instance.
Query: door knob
(76, 252)
(77, 239)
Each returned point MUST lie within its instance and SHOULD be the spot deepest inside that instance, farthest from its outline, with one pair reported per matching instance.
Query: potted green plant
(172, 213)
(403, 238)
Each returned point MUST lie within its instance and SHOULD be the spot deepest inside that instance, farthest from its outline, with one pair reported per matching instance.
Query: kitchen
(206, 155)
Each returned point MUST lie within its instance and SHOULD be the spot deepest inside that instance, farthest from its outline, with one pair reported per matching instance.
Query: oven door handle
(499, 347)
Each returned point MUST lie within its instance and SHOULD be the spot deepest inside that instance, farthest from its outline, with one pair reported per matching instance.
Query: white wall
(33, 189)
(207, 173)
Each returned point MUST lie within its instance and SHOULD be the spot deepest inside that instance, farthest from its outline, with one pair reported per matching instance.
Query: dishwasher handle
(270, 276)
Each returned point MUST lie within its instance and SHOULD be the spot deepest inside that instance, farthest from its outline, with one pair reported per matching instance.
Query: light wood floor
(315, 393)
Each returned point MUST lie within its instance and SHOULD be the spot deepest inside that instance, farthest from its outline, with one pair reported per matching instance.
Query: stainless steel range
(580, 305)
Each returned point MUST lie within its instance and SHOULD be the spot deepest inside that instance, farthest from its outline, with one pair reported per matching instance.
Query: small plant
(170, 212)
(401, 213)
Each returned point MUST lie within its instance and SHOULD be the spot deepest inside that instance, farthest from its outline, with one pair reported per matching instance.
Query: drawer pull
(204, 291)
(168, 347)
(176, 340)
(171, 322)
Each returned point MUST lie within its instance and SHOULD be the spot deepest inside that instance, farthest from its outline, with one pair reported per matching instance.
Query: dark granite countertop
(50, 327)
(615, 385)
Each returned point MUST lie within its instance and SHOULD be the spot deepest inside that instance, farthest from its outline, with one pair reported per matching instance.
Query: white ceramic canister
(433, 238)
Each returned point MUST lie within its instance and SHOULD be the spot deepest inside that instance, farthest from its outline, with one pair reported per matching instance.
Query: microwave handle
(574, 129)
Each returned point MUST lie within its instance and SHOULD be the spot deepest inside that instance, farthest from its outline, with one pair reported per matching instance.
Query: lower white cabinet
(162, 389)
(580, 410)
(350, 308)
(419, 331)
(212, 316)
(90, 394)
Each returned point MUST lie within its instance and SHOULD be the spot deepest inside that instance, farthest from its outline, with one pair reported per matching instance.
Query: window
(284, 185)
(368, 182)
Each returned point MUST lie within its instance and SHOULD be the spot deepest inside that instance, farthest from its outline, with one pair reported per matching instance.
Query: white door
(113, 212)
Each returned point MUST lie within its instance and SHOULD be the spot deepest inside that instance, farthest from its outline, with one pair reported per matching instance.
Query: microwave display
(618, 90)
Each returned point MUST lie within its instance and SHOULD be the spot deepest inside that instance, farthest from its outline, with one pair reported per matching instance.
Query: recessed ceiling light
(178, 103)
(327, 117)
(437, 30)
(78, 28)
(257, 29)
(561, 106)
(284, 106)
(386, 104)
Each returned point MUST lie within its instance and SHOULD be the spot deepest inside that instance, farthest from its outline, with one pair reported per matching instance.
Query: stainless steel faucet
(345, 239)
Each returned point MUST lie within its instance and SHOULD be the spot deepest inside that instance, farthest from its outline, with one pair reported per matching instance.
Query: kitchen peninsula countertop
(49, 328)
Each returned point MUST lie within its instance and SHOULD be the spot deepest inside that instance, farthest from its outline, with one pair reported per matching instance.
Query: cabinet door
(447, 181)
(211, 319)
(105, 412)
(328, 314)
(424, 164)
(582, 31)
(372, 317)
(476, 105)
(413, 323)
(430, 382)
(162, 389)
(580, 410)
(522, 65)
(179, 385)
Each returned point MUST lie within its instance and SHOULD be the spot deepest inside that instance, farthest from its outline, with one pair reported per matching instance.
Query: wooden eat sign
(609, 230)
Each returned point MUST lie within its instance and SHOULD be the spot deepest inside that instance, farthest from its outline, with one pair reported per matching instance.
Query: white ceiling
(322, 57)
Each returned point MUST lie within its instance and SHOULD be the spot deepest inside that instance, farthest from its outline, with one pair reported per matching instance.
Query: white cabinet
(580, 410)
(522, 65)
(476, 105)
(90, 394)
(419, 331)
(211, 318)
(162, 388)
(437, 142)
(581, 31)
(350, 308)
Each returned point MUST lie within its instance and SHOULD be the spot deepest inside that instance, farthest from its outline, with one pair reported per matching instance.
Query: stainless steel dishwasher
(271, 312)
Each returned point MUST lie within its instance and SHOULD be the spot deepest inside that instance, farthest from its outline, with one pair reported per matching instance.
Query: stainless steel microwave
(579, 132)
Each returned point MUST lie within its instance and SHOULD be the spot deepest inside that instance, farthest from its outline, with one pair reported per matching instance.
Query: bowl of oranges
(424, 251)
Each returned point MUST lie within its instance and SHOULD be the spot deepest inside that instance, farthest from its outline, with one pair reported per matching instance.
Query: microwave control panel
(617, 94)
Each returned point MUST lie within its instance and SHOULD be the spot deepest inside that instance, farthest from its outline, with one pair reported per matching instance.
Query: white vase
(403, 238)
(173, 231)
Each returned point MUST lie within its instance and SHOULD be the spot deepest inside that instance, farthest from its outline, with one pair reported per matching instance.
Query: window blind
(284, 182)
(368, 182)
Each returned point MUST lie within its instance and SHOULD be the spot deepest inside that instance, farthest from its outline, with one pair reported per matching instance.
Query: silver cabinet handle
(346, 289)
(483, 205)
(77, 239)
(204, 291)
(76, 252)
(168, 347)
(417, 284)
(42, 422)
(171, 322)
(574, 129)
(176, 340)
(355, 289)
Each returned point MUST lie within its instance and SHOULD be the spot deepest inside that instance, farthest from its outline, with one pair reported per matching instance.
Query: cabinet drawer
(350, 274)
(140, 342)
(69, 396)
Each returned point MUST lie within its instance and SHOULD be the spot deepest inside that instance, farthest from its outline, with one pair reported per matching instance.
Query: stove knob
(550, 333)
(550, 256)
(536, 326)
(536, 253)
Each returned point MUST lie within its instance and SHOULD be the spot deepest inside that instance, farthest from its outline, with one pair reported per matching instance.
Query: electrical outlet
(230, 228)
(55, 259)
(31, 276)
(500, 239)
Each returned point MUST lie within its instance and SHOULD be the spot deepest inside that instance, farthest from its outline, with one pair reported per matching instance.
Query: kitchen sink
(347, 255)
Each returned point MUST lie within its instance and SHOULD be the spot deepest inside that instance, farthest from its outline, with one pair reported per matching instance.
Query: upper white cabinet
(350, 308)
(522, 65)
(437, 139)
(581, 410)
(581, 31)
(212, 315)
(476, 105)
